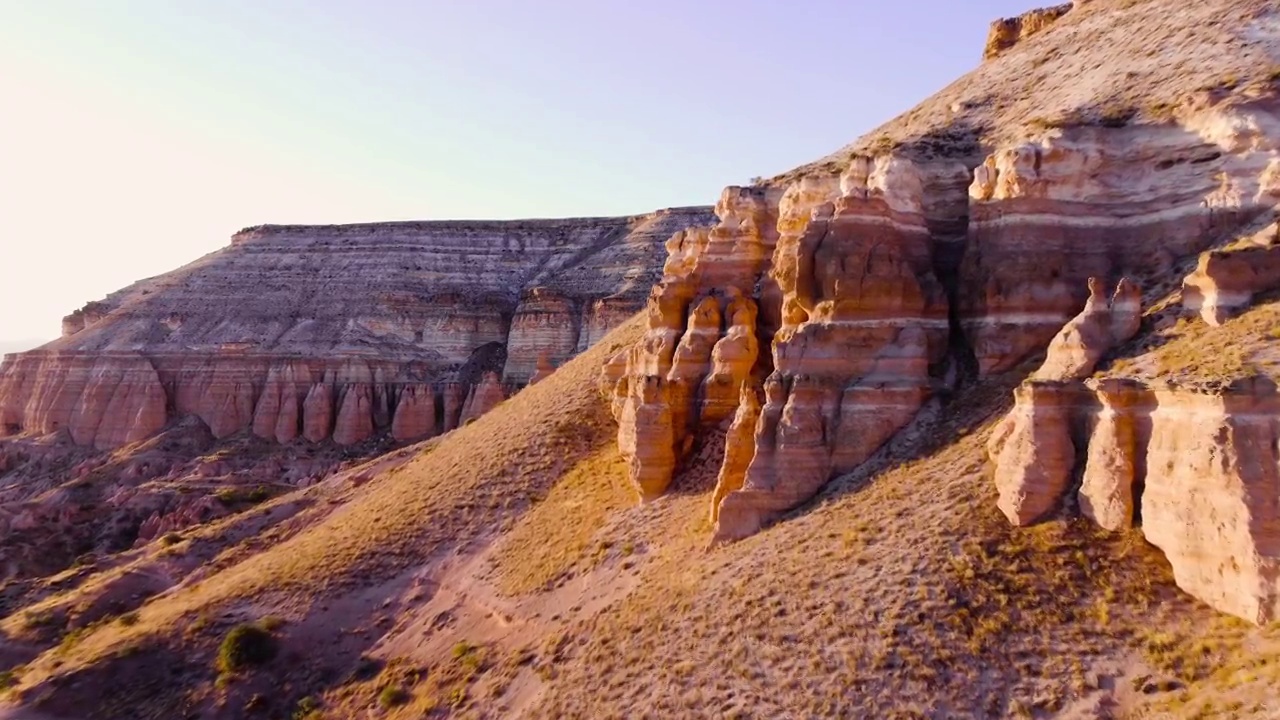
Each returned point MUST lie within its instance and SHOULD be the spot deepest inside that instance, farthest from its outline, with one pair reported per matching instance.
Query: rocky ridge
(338, 332)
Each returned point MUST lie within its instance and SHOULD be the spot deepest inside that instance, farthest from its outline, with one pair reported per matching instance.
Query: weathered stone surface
(483, 397)
(863, 319)
(355, 418)
(103, 401)
(544, 368)
(1099, 202)
(739, 447)
(1211, 500)
(245, 337)
(1032, 451)
(415, 417)
(1101, 325)
(1225, 281)
(1111, 467)
(546, 325)
(317, 412)
(659, 399)
(1009, 32)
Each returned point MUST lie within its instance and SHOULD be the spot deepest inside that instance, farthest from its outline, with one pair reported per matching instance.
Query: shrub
(172, 538)
(129, 619)
(391, 696)
(246, 646)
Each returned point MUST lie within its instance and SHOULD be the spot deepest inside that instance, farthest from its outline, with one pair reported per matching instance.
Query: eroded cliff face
(1193, 465)
(1196, 470)
(338, 332)
(823, 311)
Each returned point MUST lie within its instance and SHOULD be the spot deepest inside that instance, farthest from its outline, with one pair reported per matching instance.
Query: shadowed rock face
(338, 332)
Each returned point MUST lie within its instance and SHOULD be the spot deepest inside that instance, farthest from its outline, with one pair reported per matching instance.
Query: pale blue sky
(137, 135)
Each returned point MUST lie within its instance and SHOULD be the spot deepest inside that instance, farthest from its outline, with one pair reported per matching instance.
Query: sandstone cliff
(337, 332)
(829, 303)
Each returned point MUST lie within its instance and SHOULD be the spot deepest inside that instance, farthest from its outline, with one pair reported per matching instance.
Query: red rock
(484, 397)
(415, 417)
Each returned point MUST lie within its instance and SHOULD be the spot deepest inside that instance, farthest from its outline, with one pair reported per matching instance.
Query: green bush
(246, 646)
(391, 696)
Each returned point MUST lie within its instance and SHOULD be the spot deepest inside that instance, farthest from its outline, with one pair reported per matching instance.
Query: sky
(138, 135)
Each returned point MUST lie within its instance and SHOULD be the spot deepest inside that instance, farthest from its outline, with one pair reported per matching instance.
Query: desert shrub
(129, 619)
(172, 538)
(246, 646)
(392, 696)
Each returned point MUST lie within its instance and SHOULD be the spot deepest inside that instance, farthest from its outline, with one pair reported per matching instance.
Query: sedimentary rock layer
(339, 331)
(1199, 468)
(1226, 280)
(1101, 202)
(864, 317)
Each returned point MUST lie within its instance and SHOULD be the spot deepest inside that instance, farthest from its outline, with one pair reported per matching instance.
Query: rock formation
(1008, 32)
(1102, 325)
(863, 319)
(482, 398)
(321, 332)
(1032, 448)
(1226, 280)
(1047, 215)
(1198, 467)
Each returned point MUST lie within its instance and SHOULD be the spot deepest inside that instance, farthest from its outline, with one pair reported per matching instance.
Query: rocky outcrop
(659, 394)
(483, 397)
(864, 317)
(1225, 281)
(1008, 32)
(103, 401)
(1032, 448)
(317, 332)
(1101, 326)
(1102, 202)
(415, 417)
(1200, 469)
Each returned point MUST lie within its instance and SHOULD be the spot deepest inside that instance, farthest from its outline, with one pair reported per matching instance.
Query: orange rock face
(701, 343)
(415, 417)
(863, 319)
(1101, 326)
(1226, 280)
(104, 401)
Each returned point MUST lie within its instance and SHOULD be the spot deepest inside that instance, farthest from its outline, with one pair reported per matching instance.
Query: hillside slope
(813, 407)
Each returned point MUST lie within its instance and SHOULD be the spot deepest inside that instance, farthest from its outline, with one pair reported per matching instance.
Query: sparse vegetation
(245, 647)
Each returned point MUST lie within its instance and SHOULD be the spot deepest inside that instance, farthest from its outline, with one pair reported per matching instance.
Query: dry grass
(557, 534)
(473, 484)
(905, 597)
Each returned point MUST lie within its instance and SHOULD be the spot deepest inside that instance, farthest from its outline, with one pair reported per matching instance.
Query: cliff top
(1105, 62)
(428, 226)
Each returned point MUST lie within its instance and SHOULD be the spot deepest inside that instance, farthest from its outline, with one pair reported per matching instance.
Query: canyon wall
(825, 308)
(339, 332)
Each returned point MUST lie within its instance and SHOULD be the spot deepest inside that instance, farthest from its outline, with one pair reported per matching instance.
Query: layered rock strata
(1009, 32)
(1197, 470)
(337, 332)
(864, 317)
(1032, 448)
(1226, 281)
(1093, 202)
